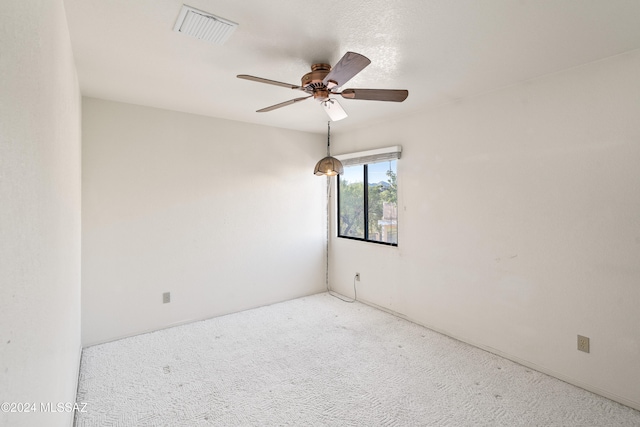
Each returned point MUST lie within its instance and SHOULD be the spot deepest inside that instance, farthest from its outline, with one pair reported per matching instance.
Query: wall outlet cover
(583, 343)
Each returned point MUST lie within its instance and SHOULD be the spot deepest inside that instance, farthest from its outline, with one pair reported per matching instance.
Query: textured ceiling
(440, 50)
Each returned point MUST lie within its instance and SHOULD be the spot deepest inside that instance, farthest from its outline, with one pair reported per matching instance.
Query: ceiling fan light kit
(334, 110)
(323, 81)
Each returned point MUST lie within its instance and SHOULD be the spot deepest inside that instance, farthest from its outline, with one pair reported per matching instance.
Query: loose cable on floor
(355, 295)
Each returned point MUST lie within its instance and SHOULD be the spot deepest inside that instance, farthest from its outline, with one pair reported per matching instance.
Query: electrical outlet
(166, 297)
(358, 277)
(583, 343)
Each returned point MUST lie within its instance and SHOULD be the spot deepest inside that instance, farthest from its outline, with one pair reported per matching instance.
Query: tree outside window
(369, 212)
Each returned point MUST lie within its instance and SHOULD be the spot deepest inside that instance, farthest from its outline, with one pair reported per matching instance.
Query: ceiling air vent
(203, 25)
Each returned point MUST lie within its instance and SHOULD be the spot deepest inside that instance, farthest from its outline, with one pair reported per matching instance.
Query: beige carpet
(317, 361)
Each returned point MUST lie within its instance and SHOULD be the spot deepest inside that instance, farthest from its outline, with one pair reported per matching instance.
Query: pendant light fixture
(329, 166)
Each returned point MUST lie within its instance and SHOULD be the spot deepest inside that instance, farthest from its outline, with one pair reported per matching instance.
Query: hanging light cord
(328, 139)
(333, 294)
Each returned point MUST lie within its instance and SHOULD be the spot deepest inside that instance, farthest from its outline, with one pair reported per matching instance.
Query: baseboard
(75, 394)
(604, 393)
(188, 321)
(146, 331)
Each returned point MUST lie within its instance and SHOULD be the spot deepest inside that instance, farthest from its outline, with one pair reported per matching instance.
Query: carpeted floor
(317, 361)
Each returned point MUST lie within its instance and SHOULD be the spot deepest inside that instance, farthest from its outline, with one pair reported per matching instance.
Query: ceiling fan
(324, 81)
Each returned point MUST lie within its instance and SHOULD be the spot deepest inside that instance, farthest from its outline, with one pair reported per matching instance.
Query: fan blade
(334, 110)
(283, 104)
(376, 94)
(271, 82)
(350, 65)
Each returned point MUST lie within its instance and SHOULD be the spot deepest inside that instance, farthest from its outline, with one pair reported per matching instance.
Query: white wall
(224, 215)
(39, 211)
(519, 224)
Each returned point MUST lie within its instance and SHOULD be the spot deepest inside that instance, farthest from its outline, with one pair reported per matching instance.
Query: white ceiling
(440, 50)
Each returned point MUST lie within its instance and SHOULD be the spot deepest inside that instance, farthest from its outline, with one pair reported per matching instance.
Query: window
(368, 202)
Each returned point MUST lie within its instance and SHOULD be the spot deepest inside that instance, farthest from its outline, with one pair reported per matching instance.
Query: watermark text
(43, 407)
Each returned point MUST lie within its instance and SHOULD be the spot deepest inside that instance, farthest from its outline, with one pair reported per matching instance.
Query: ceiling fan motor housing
(312, 81)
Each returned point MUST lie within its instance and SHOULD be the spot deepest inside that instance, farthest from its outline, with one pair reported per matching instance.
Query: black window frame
(366, 209)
